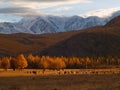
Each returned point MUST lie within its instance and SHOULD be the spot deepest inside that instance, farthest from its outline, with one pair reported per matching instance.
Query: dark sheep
(34, 72)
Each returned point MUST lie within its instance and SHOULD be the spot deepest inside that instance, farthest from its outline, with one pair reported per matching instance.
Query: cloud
(43, 0)
(41, 3)
(59, 9)
(30, 7)
(19, 11)
(101, 12)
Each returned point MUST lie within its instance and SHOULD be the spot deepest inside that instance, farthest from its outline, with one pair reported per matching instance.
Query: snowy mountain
(8, 28)
(52, 24)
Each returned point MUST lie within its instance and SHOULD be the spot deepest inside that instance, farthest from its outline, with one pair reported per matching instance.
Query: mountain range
(53, 24)
(96, 41)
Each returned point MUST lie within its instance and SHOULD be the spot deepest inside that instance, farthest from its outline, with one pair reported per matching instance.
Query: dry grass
(13, 44)
(23, 81)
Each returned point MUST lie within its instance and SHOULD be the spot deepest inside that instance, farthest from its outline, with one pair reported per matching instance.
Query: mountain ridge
(54, 24)
(97, 41)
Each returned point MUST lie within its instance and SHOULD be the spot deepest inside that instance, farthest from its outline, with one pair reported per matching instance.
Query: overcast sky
(14, 10)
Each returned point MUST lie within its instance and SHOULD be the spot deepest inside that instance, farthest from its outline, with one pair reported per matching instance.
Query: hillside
(114, 23)
(92, 42)
(100, 41)
(13, 44)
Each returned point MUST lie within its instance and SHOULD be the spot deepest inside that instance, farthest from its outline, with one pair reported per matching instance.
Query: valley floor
(19, 80)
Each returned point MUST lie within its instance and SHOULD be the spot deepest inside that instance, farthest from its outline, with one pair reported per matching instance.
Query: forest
(47, 62)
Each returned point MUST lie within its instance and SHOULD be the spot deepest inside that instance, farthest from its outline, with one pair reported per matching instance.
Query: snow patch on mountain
(53, 24)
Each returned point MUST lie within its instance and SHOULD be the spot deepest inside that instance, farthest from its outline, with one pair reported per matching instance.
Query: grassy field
(20, 80)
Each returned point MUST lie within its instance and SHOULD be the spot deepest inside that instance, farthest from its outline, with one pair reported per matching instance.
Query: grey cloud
(31, 7)
(18, 11)
(46, 0)
(40, 1)
(37, 0)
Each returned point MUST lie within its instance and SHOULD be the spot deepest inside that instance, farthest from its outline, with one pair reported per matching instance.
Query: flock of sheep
(72, 71)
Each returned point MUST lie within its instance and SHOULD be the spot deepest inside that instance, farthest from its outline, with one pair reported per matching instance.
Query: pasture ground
(19, 80)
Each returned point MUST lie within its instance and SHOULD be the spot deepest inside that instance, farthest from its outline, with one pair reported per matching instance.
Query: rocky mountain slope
(53, 24)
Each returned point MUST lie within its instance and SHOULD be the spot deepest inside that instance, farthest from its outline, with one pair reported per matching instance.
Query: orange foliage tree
(0, 63)
(47, 62)
(21, 62)
(5, 63)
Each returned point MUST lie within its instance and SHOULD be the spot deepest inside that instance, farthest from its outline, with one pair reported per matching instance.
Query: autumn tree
(58, 63)
(118, 61)
(31, 61)
(0, 63)
(5, 63)
(21, 62)
(13, 63)
(44, 62)
(87, 62)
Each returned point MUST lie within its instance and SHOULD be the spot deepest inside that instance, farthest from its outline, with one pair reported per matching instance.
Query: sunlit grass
(19, 80)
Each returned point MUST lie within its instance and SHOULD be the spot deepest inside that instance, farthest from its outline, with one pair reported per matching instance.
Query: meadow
(69, 79)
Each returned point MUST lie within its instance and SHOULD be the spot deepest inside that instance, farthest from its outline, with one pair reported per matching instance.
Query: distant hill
(114, 23)
(92, 42)
(100, 41)
(13, 44)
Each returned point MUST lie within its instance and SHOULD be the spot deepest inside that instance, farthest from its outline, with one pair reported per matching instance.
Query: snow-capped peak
(53, 24)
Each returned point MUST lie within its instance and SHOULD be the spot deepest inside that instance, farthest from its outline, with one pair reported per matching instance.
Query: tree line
(47, 62)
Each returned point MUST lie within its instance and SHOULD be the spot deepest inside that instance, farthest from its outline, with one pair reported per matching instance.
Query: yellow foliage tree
(87, 61)
(5, 63)
(43, 63)
(0, 63)
(21, 62)
(58, 63)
